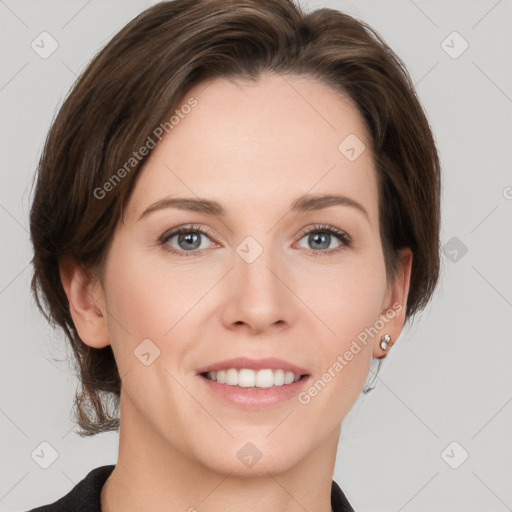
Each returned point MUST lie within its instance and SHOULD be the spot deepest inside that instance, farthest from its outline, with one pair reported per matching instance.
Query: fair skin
(255, 148)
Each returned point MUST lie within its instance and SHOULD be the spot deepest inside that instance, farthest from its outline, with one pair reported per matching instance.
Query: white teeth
(247, 378)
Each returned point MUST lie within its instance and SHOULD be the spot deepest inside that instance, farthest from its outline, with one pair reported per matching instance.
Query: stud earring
(384, 341)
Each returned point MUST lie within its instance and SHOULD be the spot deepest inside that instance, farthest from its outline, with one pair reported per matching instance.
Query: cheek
(347, 296)
(348, 300)
(146, 298)
(358, 297)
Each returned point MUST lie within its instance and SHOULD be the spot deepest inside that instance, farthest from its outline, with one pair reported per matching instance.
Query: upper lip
(254, 364)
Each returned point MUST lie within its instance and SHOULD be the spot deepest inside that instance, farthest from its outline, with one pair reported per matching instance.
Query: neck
(151, 473)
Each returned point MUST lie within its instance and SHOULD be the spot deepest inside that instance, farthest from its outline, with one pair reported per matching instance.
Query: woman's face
(260, 280)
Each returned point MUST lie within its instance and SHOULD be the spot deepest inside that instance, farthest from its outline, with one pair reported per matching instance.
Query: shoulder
(85, 496)
(339, 502)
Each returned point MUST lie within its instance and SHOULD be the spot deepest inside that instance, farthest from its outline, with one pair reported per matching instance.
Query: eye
(190, 240)
(321, 237)
(187, 239)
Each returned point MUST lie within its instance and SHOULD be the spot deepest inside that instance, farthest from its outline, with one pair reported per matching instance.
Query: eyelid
(185, 228)
(343, 237)
(328, 228)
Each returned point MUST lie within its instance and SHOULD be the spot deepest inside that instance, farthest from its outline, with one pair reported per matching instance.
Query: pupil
(318, 237)
(189, 239)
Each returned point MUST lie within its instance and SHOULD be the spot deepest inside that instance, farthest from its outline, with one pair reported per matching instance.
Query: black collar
(85, 496)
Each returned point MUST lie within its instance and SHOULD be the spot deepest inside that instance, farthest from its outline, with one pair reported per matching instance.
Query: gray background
(448, 379)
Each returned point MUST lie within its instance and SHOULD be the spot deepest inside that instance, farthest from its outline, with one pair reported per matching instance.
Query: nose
(259, 296)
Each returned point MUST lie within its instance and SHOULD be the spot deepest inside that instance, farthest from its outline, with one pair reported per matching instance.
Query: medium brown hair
(145, 71)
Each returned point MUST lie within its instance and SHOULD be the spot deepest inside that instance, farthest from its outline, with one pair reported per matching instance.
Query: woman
(236, 211)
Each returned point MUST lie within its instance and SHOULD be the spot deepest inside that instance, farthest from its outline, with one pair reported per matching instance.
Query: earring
(384, 341)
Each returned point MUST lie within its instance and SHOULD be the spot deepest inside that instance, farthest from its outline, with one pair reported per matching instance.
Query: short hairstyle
(137, 80)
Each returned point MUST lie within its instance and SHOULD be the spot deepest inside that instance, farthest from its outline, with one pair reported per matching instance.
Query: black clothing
(85, 496)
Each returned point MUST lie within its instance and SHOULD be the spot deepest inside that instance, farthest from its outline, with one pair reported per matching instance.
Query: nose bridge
(259, 297)
(254, 262)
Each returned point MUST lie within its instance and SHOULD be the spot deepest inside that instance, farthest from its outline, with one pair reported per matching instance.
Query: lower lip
(261, 398)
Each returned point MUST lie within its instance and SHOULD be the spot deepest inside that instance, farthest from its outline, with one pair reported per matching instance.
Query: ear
(86, 304)
(394, 303)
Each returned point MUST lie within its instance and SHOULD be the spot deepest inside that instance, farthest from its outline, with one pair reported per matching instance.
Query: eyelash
(321, 228)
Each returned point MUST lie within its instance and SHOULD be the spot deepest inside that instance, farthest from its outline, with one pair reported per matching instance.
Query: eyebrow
(305, 203)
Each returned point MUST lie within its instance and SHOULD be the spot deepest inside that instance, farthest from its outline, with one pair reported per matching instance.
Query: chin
(246, 458)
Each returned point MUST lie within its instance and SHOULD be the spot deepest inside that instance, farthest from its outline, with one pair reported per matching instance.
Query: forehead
(252, 143)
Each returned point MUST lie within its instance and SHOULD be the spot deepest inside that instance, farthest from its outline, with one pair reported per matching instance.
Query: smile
(247, 378)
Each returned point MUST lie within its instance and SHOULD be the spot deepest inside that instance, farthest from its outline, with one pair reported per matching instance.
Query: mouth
(251, 379)
(252, 395)
(253, 384)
